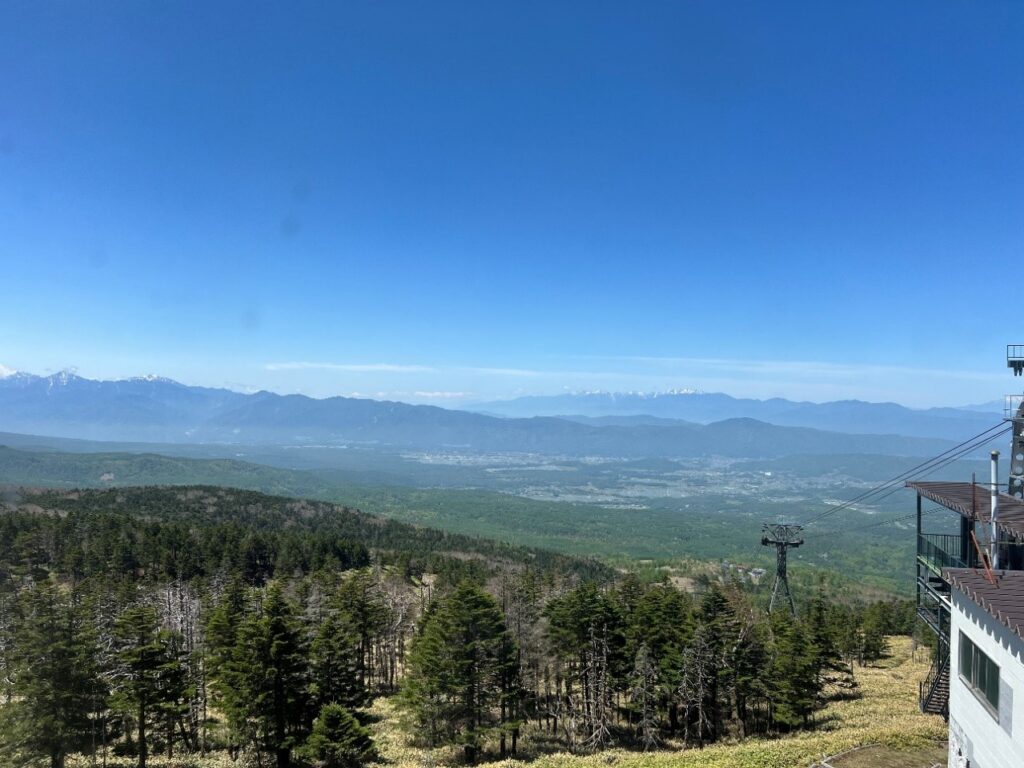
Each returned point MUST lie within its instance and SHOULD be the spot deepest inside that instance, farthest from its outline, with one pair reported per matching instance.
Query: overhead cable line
(924, 468)
(877, 523)
(888, 488)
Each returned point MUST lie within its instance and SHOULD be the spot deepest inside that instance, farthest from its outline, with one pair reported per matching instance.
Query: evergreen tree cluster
(282, 669)
(159, 533)
(634, 664)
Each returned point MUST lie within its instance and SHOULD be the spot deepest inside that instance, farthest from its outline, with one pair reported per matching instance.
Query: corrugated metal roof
(973, 501)
(1003, 601)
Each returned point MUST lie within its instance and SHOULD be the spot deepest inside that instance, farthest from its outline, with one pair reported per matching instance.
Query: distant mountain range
(159, 410)
(852, 416)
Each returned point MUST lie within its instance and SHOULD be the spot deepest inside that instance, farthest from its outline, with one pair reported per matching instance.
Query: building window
(980, 673)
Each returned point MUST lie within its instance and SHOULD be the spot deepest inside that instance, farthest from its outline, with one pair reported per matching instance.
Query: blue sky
(460, 201)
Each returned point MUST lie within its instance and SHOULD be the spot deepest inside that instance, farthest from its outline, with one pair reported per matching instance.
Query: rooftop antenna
(782, 536)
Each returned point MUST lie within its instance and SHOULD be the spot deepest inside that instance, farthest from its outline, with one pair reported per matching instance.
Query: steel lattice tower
(782, 536)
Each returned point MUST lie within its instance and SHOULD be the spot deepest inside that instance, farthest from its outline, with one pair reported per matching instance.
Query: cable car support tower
(782, 536)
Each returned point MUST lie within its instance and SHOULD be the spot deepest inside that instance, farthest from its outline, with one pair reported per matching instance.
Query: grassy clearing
(886, 713)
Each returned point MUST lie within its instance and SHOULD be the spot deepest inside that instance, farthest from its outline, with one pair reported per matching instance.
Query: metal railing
(1011, 406)
(930, 689)
(940, 550)
(933, 609)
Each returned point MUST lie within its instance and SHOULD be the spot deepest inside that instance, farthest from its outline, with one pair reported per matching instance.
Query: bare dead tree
(643, 695)
(697, 686)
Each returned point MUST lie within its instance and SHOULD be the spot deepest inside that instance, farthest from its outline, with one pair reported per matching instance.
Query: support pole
(993, 555)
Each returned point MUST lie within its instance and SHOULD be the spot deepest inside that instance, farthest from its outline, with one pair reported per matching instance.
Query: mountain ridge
(849, 416)
(153, 409)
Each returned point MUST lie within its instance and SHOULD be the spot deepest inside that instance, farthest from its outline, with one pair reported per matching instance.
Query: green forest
(190, 622)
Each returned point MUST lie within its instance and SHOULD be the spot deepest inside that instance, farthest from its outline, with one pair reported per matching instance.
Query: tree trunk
(142, 735)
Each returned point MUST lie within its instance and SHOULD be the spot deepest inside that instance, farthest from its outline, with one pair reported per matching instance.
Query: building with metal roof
(986, 726)
(970, 592)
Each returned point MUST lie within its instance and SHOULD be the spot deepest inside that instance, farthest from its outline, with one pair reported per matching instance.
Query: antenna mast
(782, 536)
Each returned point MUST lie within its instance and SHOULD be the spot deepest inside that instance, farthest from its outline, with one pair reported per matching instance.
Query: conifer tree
(873, 635)
(51, 678)
(822, 632)
(334, 658)
(587, 636)
(718, 618)
(749, 669)
(149, 672)
(338, 740)
(792, 676)
(458, 666)
(360, 600)
(222, 626)
(269, 677)
(175, 690)
(661, 619)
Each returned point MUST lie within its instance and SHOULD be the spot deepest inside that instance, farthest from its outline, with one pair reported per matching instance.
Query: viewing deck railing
(940, 550)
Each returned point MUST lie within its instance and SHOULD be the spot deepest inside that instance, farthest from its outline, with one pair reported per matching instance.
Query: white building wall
(973, 730)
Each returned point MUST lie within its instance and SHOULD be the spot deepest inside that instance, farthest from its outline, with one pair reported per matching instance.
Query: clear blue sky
(481, 199)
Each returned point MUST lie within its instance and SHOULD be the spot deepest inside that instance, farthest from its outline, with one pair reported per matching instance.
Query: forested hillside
(201, 621)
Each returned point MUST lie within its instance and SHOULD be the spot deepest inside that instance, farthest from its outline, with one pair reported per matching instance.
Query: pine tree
(458, 668)
(822, 631)
(587, 635)
(335, 655)
(268, 675)
(872, 635)
(718, 618)
(150, 674)
(792, 678)
(338, 740)
(52, 677)
(173, 703)
(662, 620)
(360, 600)
(222, 627)
(749, 669)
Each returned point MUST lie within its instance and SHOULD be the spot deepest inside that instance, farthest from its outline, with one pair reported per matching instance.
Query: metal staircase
(934, 689)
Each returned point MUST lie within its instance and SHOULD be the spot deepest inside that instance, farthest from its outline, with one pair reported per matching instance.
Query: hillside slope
(205, 510)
